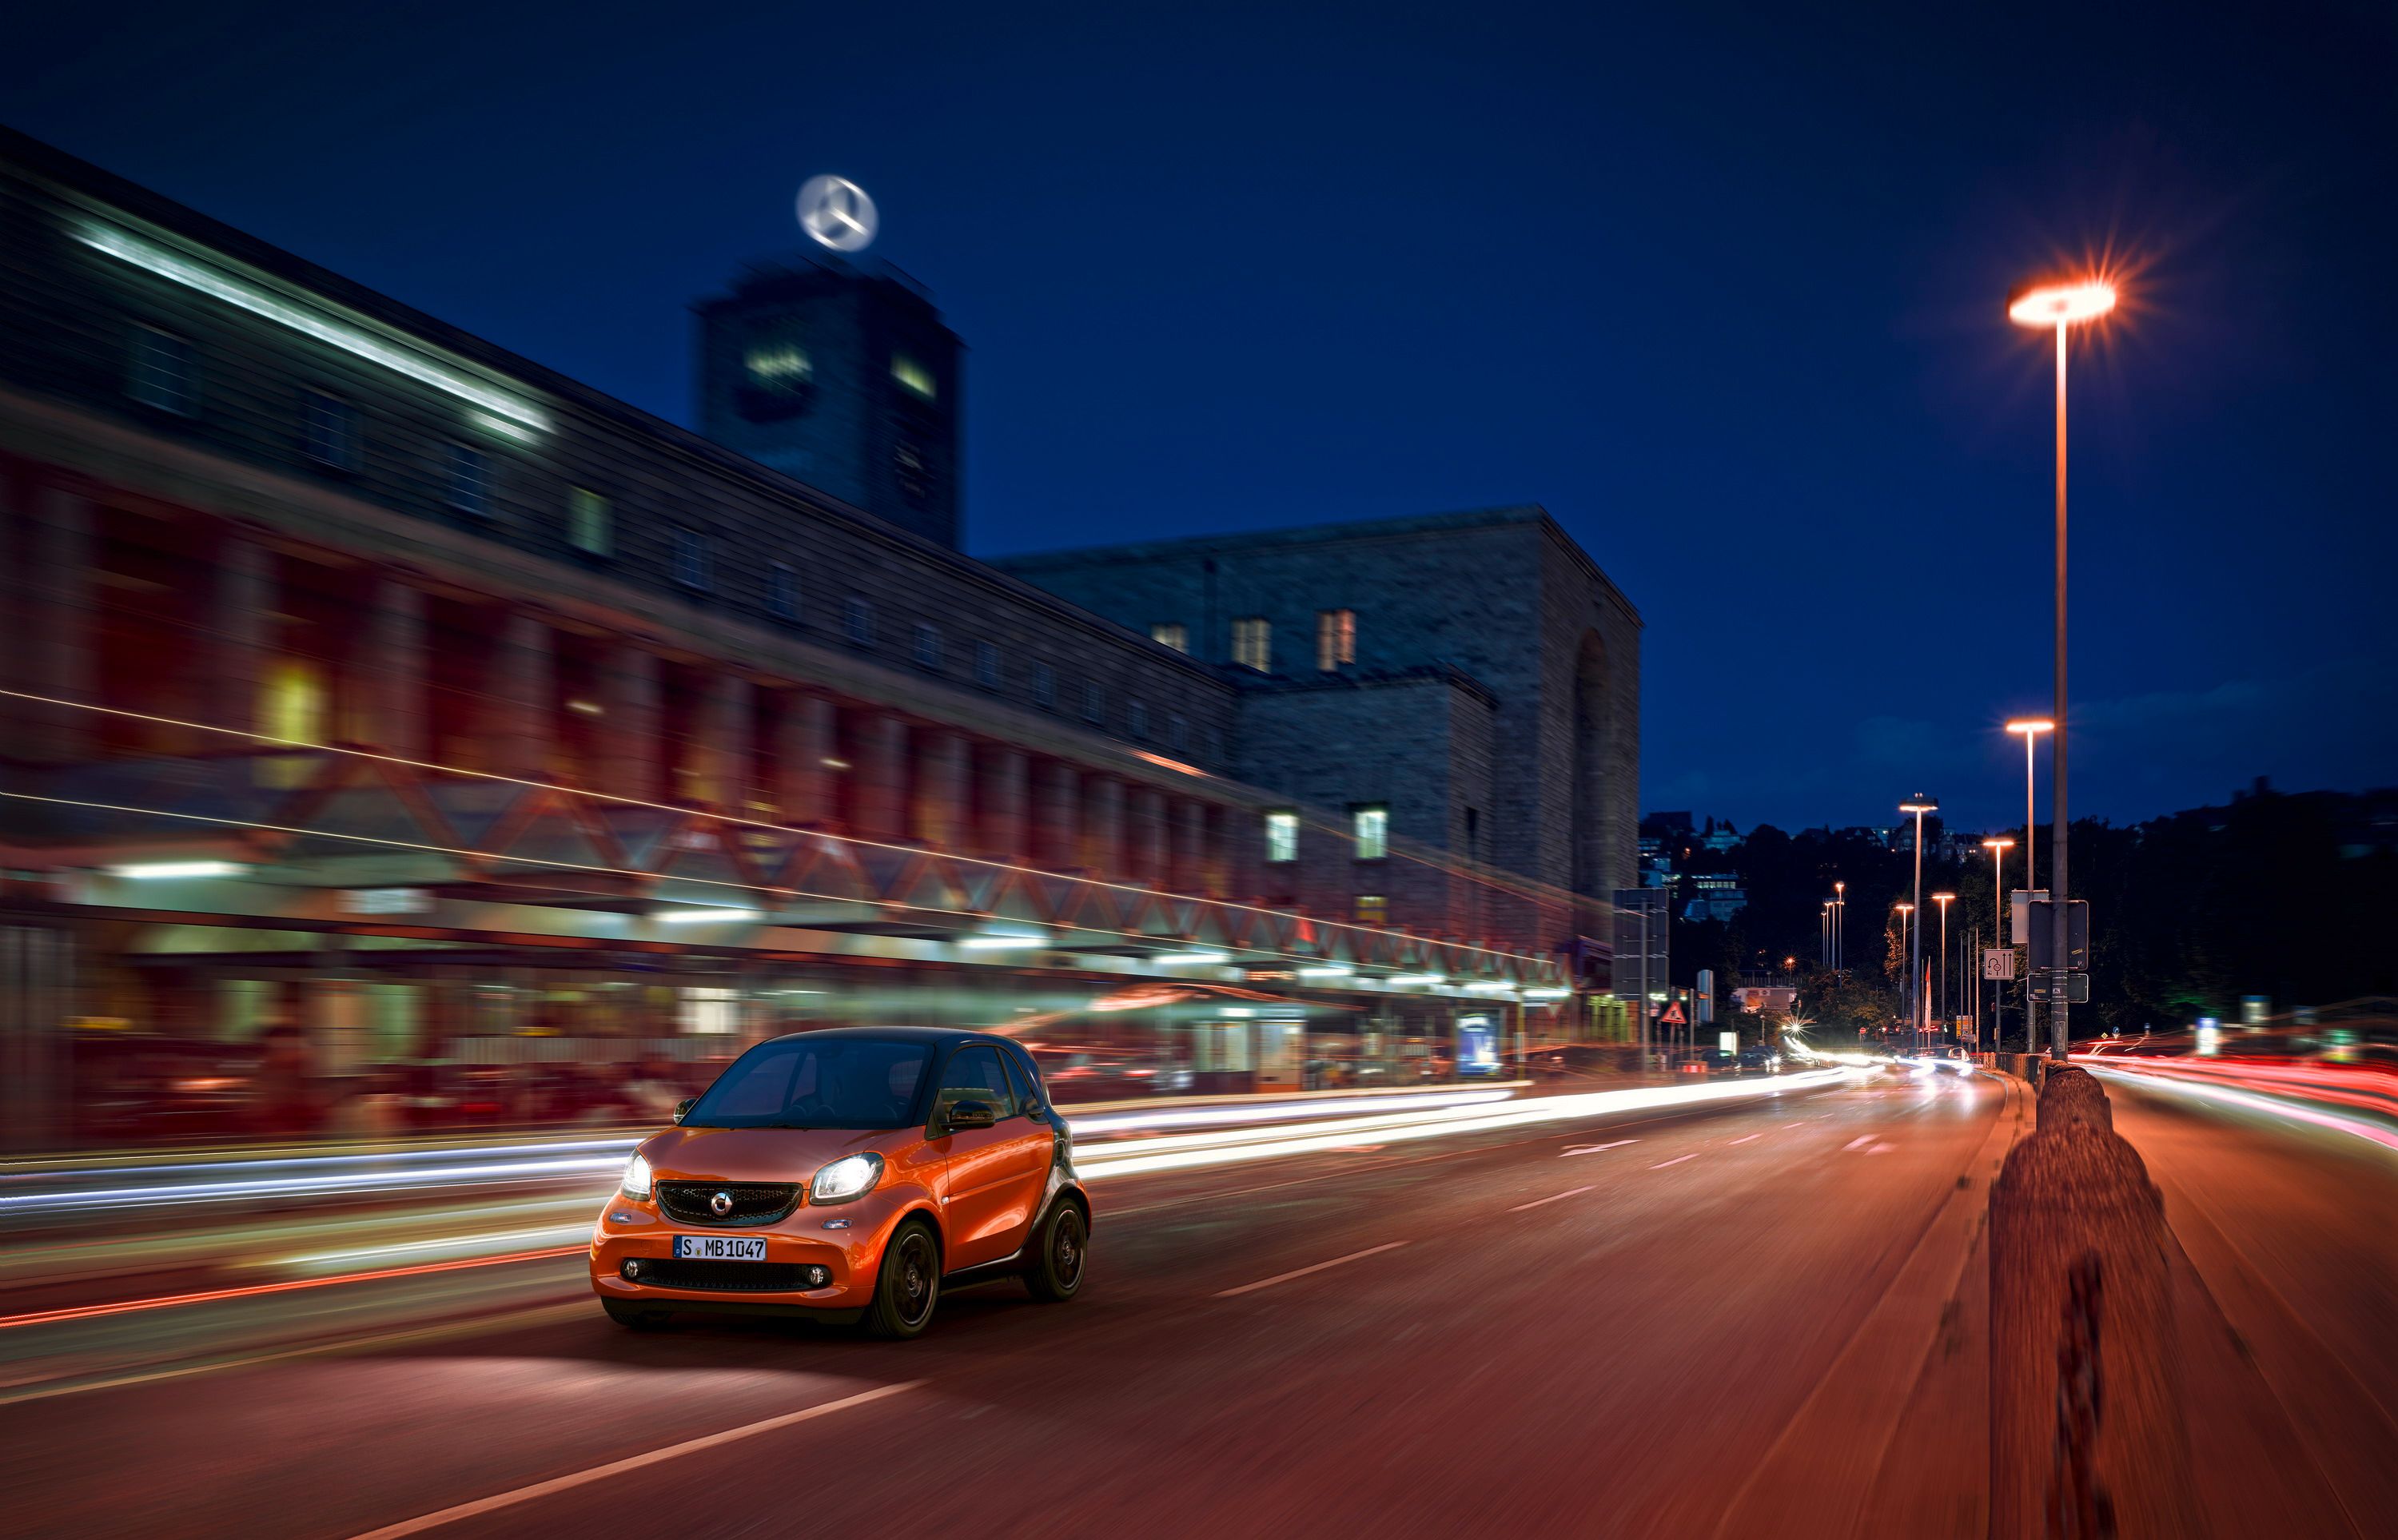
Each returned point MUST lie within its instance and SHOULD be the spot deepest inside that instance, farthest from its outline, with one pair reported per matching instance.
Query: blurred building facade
(372, 685)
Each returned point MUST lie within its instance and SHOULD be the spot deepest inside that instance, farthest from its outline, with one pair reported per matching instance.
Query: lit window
(1173, 634)
(1044, 686)
(1137, 719)
(1253, 643)
(1177, 734)
(160, 373)
(590, 524)
(1336, 639)
(1372, 827)
(783, 590)
(1373, 909)
(709, 1010)
(986, 666)
(330, 431)
(691, 559)
(469, 481)
(780, 366)
(1095, 704)
(1282, 836)
(915, 377)
(858, 621)
(927, 651)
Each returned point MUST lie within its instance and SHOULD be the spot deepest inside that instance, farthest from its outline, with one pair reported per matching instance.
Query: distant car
(1760, 1061)
(848, 1175)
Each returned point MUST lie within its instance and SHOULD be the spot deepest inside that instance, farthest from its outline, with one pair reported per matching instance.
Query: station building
(368, 681)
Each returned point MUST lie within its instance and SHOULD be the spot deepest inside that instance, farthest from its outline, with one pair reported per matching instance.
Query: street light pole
(1997, 846)
(1918, 805)
(1906, 938)
(2061, 306)
(1944, 900)
(1839, 923)
(2032, 729)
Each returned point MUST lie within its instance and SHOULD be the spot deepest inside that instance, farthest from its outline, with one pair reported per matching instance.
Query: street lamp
(1906, 937)
(1839, 920)
(1997, 846)
(1944, 900)
(1918, 805)
(2031, 728)
(2062, 306)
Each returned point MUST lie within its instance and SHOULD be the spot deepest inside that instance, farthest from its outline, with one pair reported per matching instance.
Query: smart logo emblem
(837, 212)
(721, 1205)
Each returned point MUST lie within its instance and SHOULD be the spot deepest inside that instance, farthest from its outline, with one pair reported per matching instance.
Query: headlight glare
(851, 1176)
(637, 1177)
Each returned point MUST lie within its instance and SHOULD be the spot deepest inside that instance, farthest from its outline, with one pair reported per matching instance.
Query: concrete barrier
(2087, 1437)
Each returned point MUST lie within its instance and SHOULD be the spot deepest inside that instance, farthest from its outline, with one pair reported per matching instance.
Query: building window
(927, 651)
(590, 523)
(1282, 836)
(1137, 719)
(912, 376)
(1371, 825)
(858, 621)
(1336, 639)
(1253, 643)
(907, 470)
(783, 590)
(469, 481)
(1173, 634)
(328, 431)
(691, 560)
(777, 374)
(1177, 734)
(1095, 704)
(161, 373)
(1044, 686)
(1373, 909)
(986, 666)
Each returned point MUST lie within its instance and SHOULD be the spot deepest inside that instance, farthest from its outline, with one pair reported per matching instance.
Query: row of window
(162, 373)
(1336, 639)
(1369, 830)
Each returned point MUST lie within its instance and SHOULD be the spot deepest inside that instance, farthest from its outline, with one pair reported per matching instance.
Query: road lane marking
(1860, 1142)
(1302, 1272)
(1594, 1149)
(1675, 1161)
(1745, 1141)
(1537, 1201)
(116, 1307)
(1799, 1124)
(634, 1462)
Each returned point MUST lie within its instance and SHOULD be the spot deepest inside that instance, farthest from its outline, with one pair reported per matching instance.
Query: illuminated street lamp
(2031, 728)
(1998, 845)
(1839, 923)
(2063, 307)
(1944, 900)
(1918, 805)
(1906, 937)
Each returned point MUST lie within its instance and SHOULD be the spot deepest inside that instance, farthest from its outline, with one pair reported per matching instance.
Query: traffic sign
(2050, 985)
(2077, 935)
(1998, 962)
(1673, 1016)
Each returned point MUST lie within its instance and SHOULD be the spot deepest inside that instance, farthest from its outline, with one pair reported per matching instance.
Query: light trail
(251, 1290)
(2184, 1085)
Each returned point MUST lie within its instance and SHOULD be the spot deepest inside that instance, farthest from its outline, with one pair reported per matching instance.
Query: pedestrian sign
(1673, 1016)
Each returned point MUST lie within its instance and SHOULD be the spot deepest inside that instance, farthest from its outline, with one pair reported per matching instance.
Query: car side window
(1028, 1084)
(974, 1076)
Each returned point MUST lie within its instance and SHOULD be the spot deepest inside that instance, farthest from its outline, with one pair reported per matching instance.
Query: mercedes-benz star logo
(837, 212)
(721, 1205)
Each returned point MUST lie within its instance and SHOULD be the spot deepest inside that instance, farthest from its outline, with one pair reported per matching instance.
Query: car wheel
(1065, 1246)
(909, 1284)
(632, 1317)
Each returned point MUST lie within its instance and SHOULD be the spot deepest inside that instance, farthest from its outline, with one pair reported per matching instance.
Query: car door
(994, 1175)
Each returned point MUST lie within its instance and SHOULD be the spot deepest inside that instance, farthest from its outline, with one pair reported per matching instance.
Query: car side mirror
(683, 1106)
(971, 1115)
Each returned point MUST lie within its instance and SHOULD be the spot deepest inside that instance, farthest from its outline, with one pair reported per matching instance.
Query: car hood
(758, 1154)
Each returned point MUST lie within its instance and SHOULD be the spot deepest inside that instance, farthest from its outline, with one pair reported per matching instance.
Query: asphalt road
(1583, 1328)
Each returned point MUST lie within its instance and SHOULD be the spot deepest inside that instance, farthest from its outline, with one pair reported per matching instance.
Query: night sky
(1723, 290)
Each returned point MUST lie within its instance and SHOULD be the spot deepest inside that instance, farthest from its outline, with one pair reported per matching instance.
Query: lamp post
(1944, 900)
(1905, 936)
(2031, 728)
(1840, 916)
(1997, 846)
(2062, 306)
(1918, 805)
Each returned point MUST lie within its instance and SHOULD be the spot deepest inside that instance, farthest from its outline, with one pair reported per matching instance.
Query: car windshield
(824, 1083)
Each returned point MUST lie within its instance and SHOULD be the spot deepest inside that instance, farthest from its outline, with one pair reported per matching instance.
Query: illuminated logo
(721, 1205)
(837, 212)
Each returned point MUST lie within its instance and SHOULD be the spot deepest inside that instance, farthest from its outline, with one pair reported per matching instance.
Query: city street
(1428, 1337)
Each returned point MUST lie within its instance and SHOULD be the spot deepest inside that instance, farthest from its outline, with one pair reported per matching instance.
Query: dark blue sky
(1721, 288)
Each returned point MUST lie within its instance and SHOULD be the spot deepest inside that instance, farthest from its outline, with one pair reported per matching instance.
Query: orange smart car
(848, 1174)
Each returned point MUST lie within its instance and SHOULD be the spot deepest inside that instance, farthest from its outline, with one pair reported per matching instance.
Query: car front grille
(730, 1278)
(753, 1202)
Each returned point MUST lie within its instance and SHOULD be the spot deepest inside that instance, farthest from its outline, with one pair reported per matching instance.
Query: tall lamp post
(1839, 917)
(2062, 306)
(1906, 940)
(1944, 900)
(2031, 728)
(1918, 805)
(1997, 846)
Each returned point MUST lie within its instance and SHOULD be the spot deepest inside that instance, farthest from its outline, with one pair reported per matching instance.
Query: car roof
(934, 1036)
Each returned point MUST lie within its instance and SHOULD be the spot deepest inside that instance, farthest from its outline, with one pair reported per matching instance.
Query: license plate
(721, 1248)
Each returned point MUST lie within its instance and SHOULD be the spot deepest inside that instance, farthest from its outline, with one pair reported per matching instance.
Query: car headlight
(637, 1177)
(851, 1176)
